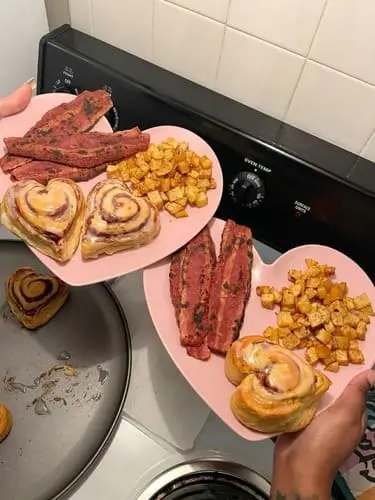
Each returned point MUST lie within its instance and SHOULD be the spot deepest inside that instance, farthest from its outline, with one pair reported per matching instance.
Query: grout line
(315, 61)
(227, 14)
(189, 9)
(367, 141)
(305, 62)
(219, 60)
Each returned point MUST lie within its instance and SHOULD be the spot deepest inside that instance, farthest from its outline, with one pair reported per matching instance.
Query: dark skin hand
(305, 463)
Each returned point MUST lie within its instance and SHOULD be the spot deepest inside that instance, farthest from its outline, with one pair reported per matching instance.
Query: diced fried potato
(362, 301)
(287, 299)
(356, 357)
(284, 318)
(201, 200)
(267, 300)
(342, 357)
(311, 355)
(290, 342)
(164, 167)
(156, 199)
(341, 343)
(271, 334)
(333, 367)
(181, 213)
(323, 336)
(322, 351)
(361, 330)
(172, 207)
(176, 193)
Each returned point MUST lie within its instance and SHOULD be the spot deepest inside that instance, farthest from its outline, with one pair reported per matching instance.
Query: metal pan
(46, 455)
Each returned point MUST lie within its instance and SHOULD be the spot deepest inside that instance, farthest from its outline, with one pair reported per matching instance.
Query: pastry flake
(34, 298)
(48, 218)
(117, 220)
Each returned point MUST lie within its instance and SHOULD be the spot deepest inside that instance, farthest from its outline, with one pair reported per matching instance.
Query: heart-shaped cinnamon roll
(117, 220)
(34, 298)
(49, 218)
(277, 391)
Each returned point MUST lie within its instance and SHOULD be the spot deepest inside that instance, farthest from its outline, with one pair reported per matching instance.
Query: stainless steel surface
(46, 455)
(260, 485)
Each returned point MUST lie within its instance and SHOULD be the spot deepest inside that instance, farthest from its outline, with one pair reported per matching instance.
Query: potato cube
(315, 319)
(349, 303)
(203, 184)
(172, 207)
(271, 334)
(164, 197)
(342, 357)
(353, 344)
(356, 357)
(290, 342)
(302, 332)
(201, 200)
(183, 167)
(283, 332)
(213, 184)
(331, 359)
(324, 337)
(322, 351)
(362, 301)
(155, 198)
(284, 318)
(205, 162)
(310, 293)
(351, 320)
(333, 367)
(181, 213)
(337, 318)
(294, 275)
(194, 174)
(182, 201)
(341, 343)
(311, 356)
(192, 194)
(165, 184)
(288, 298)
(206, 174)
(304, 305)
(361, 330)
(175, 194)
(267, 300)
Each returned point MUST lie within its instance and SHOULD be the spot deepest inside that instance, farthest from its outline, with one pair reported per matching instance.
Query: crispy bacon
(79, 115)
(231, 286)
(44, 171)
(190, 282)
(85, 150)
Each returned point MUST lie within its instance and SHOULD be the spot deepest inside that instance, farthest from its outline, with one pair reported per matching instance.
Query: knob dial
(247, 189)
(65, 89)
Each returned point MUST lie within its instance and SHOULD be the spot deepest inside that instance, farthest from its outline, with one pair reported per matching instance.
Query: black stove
(290, 187)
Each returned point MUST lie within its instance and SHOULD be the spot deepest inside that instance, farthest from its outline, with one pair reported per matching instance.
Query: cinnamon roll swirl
(6, 422)
(34, 298)
(117, 220)
(276, 391)
(49, 218)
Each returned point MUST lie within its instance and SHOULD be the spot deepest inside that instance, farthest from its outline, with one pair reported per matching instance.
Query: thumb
(354, 396)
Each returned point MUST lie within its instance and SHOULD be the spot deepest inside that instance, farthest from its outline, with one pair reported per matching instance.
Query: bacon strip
(231, 286)
(44, 171)
(79, 115)
(84, 150)
(190, 282)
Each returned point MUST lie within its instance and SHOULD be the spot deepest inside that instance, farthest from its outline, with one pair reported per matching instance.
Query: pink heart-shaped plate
(208, 378)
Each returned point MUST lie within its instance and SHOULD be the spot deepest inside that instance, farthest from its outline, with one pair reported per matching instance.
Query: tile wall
(310, 63)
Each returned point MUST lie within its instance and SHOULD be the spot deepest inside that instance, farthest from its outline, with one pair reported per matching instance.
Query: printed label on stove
(257, 166)
(301, 207)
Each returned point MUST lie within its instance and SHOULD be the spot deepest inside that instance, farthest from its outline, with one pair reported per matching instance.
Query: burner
(210, 479)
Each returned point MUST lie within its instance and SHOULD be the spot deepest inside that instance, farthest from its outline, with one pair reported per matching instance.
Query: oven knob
(247, 189)
(64, 89)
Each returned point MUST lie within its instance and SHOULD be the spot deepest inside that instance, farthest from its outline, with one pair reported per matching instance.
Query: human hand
(17, 100)
(306, 462)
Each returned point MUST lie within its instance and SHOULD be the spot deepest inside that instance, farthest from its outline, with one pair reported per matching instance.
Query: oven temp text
(257, 166)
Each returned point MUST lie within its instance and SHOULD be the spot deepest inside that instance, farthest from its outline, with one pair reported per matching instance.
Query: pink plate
(174, 232)
(204, 377)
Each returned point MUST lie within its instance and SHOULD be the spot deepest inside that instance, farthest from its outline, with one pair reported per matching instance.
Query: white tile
(80, 15)
(333, 106)
(288, 23)
(346, 38)
(257, 73)
(187, 43)
(369, 150)
(217, 9)
(127, 24)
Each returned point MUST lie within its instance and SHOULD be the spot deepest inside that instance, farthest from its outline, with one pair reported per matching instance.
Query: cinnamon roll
(276, 391)
(6, 422)
(117, 220)
(34, 298)
(49, 218)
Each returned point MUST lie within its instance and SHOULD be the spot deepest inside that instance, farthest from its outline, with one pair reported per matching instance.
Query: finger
(354, 396)
(17, 100)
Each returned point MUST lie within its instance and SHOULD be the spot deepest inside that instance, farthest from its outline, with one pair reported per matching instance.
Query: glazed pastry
(117, 220)
(48, 218)
(34, 298)
(6, 422)
(277, 392)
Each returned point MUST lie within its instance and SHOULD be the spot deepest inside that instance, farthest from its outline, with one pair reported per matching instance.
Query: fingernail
(31, 82)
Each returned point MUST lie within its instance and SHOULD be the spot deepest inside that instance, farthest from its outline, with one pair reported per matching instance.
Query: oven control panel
(285, 201)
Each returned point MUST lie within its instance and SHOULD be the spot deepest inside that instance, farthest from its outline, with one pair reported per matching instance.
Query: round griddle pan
(65, 384)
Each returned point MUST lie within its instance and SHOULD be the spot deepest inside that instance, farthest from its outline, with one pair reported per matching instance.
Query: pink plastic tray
(208, 378)
(174, 232)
